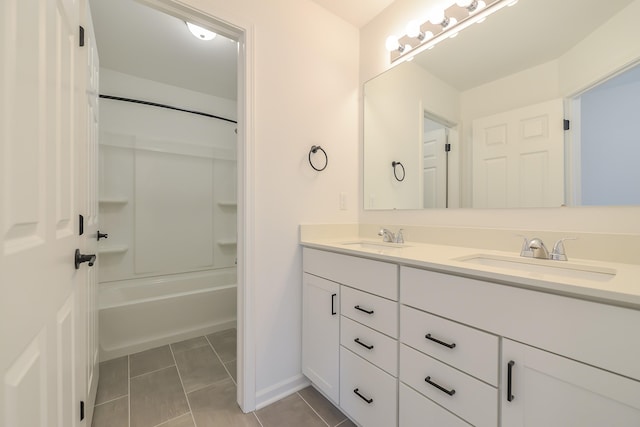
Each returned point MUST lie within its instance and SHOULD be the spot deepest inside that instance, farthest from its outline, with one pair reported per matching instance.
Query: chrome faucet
(387, 235)
(558, 252)
(538, 249)
(535, 248)
(391, 237)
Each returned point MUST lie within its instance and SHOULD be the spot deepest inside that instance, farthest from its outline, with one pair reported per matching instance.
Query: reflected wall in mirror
(498, 93)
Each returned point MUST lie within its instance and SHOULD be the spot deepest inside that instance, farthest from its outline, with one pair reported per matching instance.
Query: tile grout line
(256, 415)
(314, 411)
(154, 371)
(109, 401)
(183, 389)
(220, 359)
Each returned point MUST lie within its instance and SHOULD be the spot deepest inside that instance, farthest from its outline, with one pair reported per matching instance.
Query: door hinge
(447, 147)
(81, 36)
(567, 124)
(81, 410)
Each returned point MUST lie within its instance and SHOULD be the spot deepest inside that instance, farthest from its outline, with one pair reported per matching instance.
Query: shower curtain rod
(169, 107)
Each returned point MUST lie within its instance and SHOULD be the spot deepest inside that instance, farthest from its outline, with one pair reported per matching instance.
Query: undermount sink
(543, 267)
(380, 247)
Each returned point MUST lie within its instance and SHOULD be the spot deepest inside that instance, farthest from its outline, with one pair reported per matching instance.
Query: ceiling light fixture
(200, 33)
(442, 24)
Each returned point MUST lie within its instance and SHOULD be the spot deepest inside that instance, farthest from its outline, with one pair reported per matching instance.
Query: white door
(88, 67)
(518, 157)
(434, 169)
(42, 359)
(321, 334)
(552, 391)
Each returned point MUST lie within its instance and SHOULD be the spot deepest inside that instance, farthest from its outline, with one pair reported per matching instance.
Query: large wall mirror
(479, 120)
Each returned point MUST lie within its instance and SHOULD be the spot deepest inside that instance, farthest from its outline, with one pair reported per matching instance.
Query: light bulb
(200, 33)
(392, 43)
(428, 35)
(437, 17)
(413, 29)
(452, 22)
(481, 5)
(464, 3)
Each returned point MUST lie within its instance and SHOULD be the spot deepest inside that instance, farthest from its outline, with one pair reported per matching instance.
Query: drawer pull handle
(439, 387)
(356, 391)
(429, 337)
(364, 310)
(510, 396)
(368, 347)
(333, 307)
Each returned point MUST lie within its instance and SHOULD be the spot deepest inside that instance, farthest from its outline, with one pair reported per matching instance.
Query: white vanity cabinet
(544, 389)
(429, 348)
(321, 334)
(563, 361)
(367, 336)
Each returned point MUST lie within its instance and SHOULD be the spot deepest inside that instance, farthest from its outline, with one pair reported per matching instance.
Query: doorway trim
(236, 29)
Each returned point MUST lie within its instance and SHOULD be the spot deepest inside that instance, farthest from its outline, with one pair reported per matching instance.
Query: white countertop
(623, 289)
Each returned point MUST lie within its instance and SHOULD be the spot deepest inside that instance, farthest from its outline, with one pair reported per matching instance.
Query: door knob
(102, 235)
(80, 258)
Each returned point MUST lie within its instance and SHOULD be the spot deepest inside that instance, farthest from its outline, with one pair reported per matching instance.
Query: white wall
(374, 60)
(306, 93)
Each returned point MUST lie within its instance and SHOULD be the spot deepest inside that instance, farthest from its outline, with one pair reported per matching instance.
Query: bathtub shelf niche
(113, 249)
(227, 204)
(113, 201)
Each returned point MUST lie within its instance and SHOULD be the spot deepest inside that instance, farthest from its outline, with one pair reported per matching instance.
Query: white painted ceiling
(357, 12)
(138, 40)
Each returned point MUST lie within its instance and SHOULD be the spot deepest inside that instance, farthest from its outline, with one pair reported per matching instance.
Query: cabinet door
(552, 391)
(321, 334)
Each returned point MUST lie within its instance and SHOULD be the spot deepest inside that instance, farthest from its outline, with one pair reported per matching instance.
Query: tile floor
(192, 384)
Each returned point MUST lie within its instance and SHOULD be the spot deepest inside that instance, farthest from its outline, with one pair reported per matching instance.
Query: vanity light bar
(456, 19)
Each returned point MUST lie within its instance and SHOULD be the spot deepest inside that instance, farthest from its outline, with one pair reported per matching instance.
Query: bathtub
(139, 314)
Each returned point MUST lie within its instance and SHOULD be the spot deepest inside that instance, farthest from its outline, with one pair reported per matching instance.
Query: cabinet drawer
(377, 277)
(594, 333)
(383, 352)
(376, 403)
(417, 410)
(474, 351)
(370, 310)
(473, 400)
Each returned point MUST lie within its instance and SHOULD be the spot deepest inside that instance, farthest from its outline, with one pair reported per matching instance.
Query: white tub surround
(492, 337)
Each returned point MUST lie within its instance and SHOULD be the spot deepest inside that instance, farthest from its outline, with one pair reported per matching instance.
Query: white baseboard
(281, 390)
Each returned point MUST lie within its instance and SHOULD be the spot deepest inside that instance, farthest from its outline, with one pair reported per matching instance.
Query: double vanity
(419, 334)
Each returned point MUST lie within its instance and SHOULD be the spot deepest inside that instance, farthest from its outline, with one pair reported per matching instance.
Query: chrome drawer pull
(356, 391)
(368, 347)
(429, 337)
(439, 387)
(357, 307)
